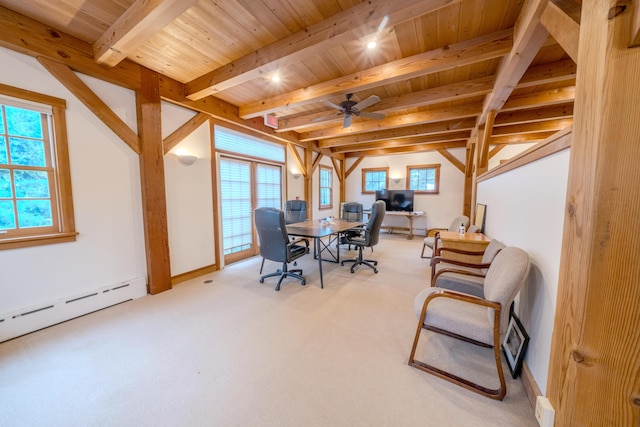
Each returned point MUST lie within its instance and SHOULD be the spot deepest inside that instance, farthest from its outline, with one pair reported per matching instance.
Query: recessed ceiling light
(275, 78)
(372, 44)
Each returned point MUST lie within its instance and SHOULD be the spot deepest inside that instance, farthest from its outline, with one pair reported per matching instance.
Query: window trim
(320, 205)
(364, 178)
(435, 166)
(64, 230)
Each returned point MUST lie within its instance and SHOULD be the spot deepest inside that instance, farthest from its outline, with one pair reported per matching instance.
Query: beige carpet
(236, 353)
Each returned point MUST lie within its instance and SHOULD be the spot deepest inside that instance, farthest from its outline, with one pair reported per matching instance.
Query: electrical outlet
(545, 415)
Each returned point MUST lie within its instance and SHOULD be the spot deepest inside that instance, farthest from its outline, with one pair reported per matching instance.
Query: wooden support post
(469, 182)
(594, 370)
(154, 201)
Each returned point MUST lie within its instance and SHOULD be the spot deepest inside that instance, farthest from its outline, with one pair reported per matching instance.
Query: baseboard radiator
(24, 321)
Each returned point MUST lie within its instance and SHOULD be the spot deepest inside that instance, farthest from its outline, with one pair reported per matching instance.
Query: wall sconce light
(187, 159)
(396, 180)
(296, 175)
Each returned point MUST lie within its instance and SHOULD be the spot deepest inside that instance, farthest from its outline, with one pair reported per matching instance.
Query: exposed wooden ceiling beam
(553, 72)
(411, 149)
(359, 21)
(525, 138)
(30, 37)
(436, 115)
(550, 125)
(403, 132)
(33, 38)
(562, 19)
(464, 53)
(556, 72)
(140, 21)
(529, 36)
(561, 111)
(403, 142)
(540, 99)
(434, 95)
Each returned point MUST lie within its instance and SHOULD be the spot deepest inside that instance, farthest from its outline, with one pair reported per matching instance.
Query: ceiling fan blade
(326, 118)
(347, 121)
(332, 105)
(368, 115)
(367, 102)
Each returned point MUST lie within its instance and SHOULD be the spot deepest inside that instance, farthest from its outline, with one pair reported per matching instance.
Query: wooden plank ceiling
(440, 67)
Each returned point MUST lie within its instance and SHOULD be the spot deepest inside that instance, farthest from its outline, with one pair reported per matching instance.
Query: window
(326, 187)
(424, 178)
(374, 179)
(35, 187)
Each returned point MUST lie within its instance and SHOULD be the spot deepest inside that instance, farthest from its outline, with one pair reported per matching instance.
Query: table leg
(319, 252)
(410, 227)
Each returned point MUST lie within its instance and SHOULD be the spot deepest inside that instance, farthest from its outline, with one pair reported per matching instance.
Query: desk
(409, 215)
(476, 242)
(317, 229)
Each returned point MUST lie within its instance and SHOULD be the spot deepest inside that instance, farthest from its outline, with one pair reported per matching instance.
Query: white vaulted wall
(106, 196)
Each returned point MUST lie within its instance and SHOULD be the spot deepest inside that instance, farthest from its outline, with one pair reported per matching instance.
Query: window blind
(229, 140)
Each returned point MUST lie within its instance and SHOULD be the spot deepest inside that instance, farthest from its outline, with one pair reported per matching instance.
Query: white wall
(525, 208)
(439, 209)
(190, 215)
(335, 210)
(508, 152)
(106, 196)
(295, 186)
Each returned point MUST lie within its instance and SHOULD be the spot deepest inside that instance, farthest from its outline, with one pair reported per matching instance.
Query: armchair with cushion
(432, 234)
(479, 320)
(275, 244)
(462, 276)
(369, 236)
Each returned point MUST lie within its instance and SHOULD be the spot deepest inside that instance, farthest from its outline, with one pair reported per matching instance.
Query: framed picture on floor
(514, 345)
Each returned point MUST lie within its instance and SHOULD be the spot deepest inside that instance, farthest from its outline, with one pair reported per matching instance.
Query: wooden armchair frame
(443, 259)
(498, 393)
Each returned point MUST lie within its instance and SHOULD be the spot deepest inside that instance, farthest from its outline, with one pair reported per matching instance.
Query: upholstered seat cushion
(430, 241)
(470, 320)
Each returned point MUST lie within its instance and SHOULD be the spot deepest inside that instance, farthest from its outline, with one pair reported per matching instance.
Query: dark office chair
(351, 211)
(295, 211)
(275, 244)
(369, 237)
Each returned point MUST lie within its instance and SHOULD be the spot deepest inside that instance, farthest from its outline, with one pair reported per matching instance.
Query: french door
(244, 186)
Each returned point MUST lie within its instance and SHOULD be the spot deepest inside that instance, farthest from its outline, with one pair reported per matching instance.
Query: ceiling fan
(351, 108)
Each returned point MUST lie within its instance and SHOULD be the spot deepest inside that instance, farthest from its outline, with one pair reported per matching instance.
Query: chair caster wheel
(261, 280)
(375, 271)
(304, 283)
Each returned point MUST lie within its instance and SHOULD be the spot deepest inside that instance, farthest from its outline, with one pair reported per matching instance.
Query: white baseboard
(33, 318)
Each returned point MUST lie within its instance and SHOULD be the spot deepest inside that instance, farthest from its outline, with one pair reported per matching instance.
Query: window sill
(45, 239)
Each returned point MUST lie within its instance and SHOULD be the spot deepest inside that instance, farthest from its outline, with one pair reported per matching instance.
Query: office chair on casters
(295, 211)
(369, 237)
(351, 211)
(479, 320)
(275, 244)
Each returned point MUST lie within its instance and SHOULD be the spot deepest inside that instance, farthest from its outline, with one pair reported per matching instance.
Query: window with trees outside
(35, 187)
(326, 187)
(374, 179)
(424, 178)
